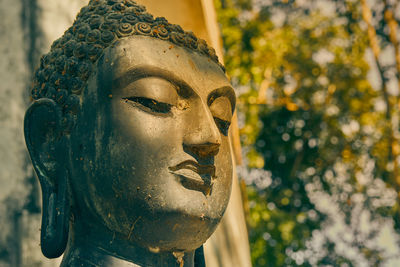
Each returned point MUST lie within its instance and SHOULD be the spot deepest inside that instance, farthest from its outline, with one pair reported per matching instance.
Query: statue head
(128, 134)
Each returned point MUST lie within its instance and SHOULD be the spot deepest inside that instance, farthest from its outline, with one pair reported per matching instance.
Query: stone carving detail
(70, 61)
(128, 135)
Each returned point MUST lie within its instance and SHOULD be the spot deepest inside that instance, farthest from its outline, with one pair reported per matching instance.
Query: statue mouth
(195, 176)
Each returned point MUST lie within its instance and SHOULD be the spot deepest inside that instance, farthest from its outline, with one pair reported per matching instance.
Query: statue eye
(222, 111)
(223, 125)
(150, 104)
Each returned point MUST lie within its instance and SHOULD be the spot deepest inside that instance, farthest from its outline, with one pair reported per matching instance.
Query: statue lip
(195, 176)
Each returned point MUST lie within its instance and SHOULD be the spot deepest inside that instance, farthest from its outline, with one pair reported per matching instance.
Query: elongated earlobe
(46, 146)
(55, 219)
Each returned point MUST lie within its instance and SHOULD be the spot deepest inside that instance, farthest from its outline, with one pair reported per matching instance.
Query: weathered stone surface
(27, 28)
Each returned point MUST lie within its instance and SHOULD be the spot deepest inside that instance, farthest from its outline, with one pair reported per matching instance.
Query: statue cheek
(224, 173)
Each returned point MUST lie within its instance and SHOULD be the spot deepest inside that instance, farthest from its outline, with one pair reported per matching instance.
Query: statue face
(150, 155)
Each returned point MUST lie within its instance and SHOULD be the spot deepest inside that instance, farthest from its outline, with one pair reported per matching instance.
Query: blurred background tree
(318, 85)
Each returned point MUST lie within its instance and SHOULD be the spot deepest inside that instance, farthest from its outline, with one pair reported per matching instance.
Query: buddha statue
(128, 135)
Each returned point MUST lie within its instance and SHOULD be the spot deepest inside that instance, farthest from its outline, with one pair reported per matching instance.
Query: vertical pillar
(27, 28)
(14, 74)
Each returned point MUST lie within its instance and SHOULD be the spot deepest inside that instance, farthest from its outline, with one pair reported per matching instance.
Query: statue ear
(48, 151)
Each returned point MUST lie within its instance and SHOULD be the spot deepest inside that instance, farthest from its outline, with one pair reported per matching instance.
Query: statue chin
(173, 232)
(128, 134)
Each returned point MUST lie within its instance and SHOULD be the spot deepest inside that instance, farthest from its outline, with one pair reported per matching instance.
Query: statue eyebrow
(144, 71)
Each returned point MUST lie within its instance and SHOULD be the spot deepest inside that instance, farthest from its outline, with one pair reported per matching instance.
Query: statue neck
(89, 247)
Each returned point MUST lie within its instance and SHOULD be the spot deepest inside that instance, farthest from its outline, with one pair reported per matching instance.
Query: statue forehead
(142, 53)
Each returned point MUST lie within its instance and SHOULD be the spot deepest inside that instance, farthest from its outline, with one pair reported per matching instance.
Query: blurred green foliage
(311, 120)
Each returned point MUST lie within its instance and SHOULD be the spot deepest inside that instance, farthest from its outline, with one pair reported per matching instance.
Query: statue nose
(202, 137)
(202, 150)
